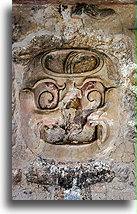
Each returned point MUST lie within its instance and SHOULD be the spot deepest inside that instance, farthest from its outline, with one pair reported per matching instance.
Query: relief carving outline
(71, 100)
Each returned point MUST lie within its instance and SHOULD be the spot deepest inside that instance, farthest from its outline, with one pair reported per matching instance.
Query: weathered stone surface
(72, 2)
(73, 101)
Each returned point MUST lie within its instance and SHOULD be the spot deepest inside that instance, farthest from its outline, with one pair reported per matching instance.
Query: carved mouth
(59, 136)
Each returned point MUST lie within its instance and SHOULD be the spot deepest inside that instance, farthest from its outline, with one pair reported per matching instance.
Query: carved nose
(73, 103)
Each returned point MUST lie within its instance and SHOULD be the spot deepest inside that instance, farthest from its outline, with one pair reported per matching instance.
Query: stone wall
(73, 101)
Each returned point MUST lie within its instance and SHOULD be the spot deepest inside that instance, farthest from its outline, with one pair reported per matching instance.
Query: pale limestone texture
(73, 102)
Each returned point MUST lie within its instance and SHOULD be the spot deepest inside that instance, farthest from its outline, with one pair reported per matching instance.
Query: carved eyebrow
(89, 79)
(48, 80)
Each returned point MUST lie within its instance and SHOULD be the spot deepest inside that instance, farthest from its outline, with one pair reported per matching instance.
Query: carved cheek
(29, 120)
(26, 101)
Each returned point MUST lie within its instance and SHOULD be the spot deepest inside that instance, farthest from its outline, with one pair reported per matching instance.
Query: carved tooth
(99, 144)
(75, 142)
(86, 142)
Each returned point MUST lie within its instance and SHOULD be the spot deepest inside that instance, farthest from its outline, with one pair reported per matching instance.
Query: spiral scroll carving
(46, 96)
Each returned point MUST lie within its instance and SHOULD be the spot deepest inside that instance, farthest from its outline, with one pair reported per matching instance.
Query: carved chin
(61, 136)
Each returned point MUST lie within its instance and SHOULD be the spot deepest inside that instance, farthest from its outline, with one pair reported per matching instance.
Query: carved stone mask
(73, 100)
(69, 104)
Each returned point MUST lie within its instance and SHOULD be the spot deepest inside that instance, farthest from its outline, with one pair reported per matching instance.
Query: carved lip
(72, 143)
(72, 62)
(96, 136)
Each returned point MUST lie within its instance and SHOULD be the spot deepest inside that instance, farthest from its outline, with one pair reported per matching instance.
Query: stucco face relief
(73, 100)
(74, 107)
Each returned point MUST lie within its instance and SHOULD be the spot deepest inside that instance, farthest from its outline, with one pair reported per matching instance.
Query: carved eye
(46, 96)
(45, 100)
(94, 96)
